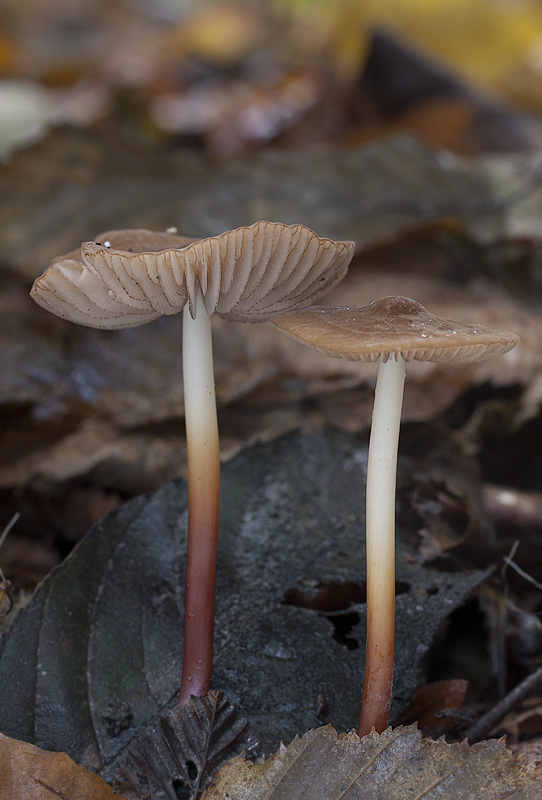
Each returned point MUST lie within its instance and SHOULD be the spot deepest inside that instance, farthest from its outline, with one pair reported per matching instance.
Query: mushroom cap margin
(392, 327)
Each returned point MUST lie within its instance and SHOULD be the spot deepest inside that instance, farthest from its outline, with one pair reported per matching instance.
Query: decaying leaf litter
(92, 442)
(283, 500)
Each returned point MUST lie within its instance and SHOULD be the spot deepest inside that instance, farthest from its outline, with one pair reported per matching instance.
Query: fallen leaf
(451, 29)
(130, 462)
(447, 494)
(529, 752)
(523, 724)
(390, 766)
(106, 627)
(517, 179)
(182, 752)
(408, 90)
(370, 194)
(433, 698)
(28, 773)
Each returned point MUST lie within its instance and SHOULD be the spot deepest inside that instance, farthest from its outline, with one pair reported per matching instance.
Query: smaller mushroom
(392, 331)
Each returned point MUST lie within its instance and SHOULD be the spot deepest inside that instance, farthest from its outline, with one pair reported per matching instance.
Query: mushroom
(249, 274)
(392, 331)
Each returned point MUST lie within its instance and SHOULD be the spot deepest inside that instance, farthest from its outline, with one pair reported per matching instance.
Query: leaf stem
(485, 724)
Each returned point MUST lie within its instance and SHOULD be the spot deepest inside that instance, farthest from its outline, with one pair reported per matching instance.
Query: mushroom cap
(249, 274)
(133, 240)
(392, 327)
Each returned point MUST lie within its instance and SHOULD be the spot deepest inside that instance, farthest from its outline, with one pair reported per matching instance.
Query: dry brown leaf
(29, 773)
(183, 751)
(389, 766)
(447, 497)
(130, 462)
(527, 723)
(433, 698)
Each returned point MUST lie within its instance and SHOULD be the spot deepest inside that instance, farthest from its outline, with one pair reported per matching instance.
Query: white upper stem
(381, 481)
(199, 383)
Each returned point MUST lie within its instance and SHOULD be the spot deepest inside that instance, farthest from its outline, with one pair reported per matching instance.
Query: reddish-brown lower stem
(203, 503)
(378, 681)
(199, 598)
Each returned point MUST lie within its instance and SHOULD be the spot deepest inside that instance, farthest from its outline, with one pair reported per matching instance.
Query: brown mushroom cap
(133, 240)
(249, 274)
(392, 326)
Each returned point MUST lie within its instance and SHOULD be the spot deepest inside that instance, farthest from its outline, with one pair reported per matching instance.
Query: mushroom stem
(380, 544)
(203, 501)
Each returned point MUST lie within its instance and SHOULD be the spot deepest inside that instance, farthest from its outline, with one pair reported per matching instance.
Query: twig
(489, 720)
(521, 572)
(8, 527)
(5, 532)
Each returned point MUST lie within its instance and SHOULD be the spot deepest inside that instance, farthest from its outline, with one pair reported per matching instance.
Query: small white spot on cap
(172, 230)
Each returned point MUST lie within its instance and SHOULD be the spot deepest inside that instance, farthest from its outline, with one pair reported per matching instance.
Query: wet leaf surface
(390, 766)
(103, 631)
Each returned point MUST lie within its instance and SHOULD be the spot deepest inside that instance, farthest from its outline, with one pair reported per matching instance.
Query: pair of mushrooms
(266, 271)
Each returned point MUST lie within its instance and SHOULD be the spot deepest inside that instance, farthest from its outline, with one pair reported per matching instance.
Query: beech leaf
(29, 773)
(391, 766)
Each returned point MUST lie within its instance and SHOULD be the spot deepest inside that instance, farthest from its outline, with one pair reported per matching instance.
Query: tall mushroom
(392, 331)
(249, 274)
